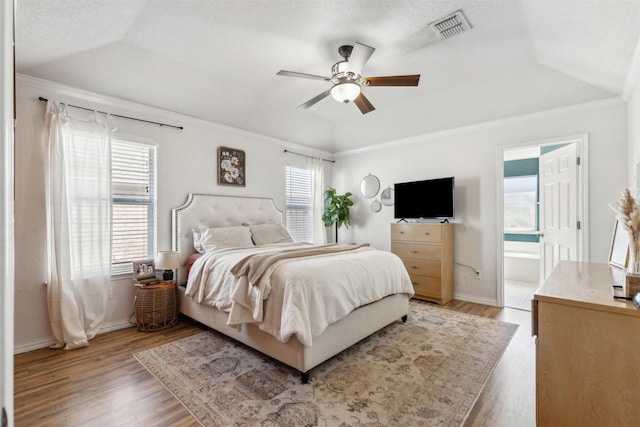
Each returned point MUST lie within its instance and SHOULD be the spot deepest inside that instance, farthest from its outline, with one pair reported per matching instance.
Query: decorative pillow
(197, 239)
(190, 261)
(225, 237)
(265, 234)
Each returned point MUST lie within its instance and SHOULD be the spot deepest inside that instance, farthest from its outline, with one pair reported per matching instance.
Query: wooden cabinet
(587, 350)
(427, 253)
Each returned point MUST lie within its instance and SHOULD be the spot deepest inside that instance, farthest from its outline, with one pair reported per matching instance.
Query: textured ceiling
(217, 60)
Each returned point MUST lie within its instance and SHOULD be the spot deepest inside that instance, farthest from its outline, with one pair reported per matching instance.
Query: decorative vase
(633, 266)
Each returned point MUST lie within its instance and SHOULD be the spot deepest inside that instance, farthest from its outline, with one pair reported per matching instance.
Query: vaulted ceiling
(217, 60)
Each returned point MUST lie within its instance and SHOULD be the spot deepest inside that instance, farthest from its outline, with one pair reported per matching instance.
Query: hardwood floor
(508, 398)
(103, 384)
(100, 385)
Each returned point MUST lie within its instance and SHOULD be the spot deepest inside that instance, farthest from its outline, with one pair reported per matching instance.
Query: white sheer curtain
(318, 230)
(77, 162)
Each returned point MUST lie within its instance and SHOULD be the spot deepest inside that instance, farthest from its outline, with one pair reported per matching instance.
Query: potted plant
(336, 209)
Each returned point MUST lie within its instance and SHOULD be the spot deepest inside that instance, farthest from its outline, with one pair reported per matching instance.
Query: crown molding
(509, 121)
(122, 106)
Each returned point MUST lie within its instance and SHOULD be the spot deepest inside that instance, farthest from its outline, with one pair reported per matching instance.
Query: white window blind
(299, 203)
(133, 187)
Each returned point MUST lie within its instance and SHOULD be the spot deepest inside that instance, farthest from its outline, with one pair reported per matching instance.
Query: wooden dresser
(426, 249)
(587, 350)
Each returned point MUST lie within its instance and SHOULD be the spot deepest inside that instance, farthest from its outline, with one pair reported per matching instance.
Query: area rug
(426, 372)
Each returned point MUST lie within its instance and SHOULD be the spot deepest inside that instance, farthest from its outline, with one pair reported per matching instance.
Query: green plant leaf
(336, 208)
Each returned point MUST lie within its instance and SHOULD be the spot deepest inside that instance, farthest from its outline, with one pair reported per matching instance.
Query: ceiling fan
(346, 78)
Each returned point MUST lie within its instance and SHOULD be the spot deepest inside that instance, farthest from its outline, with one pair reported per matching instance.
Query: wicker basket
(156, 307)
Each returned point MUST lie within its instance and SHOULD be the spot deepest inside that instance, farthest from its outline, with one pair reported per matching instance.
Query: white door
(558, 208)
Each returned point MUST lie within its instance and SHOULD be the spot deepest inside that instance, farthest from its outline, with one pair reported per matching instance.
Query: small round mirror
(387, 196)
(370, 186)
(375, 206)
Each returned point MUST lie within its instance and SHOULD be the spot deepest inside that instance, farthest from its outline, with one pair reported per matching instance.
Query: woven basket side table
(156, 306)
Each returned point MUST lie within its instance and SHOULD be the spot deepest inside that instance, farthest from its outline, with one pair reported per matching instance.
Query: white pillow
(210, 238)
(265, 234)
(197, 239)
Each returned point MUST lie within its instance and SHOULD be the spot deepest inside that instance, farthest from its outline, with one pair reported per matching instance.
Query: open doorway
(521, 208)
(541, 218)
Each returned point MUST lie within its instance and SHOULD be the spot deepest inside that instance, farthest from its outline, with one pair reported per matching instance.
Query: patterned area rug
(428, 372)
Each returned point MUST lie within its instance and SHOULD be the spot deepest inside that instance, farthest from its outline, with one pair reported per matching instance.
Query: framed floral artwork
(231, 167)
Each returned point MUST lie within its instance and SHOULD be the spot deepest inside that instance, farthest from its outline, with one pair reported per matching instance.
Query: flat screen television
(427, 199)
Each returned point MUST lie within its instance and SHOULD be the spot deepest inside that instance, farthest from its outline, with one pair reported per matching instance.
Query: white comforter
(300, 296)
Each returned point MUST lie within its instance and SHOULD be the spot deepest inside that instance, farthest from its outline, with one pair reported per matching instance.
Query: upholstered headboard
(215, 211)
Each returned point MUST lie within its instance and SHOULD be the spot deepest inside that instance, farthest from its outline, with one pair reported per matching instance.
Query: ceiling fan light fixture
(345, 92)
(347, 81)
(339, 68)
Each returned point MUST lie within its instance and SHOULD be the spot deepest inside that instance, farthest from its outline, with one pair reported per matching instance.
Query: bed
(302, 354)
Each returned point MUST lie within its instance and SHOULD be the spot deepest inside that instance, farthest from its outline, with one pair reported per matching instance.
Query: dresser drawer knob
(414, 252)
(426, 233)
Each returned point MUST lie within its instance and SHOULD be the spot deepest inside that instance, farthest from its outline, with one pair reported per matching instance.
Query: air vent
(451, 25)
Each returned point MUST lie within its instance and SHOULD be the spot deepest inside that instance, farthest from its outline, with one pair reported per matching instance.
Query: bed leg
(305, 377)
(404, 318)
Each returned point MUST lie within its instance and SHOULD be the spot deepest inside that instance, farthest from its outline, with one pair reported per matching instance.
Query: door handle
(540, 234)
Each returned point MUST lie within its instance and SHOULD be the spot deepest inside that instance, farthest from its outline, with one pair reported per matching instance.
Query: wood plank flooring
(103, 385)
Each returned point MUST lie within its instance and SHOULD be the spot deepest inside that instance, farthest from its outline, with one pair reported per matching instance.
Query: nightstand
(156, 306)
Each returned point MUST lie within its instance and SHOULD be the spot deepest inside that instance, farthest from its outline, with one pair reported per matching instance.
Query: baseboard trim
(476, 300)
(114, 326)
(34, 345)
(48, 342)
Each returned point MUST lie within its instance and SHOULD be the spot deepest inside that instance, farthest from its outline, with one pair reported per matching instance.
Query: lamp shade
(168, 261)
(345, 92)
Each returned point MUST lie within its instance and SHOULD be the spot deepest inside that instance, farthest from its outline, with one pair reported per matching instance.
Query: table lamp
(167, 261)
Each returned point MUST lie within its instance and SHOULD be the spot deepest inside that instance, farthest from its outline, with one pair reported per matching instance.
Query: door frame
(7, 123)
(582, 143)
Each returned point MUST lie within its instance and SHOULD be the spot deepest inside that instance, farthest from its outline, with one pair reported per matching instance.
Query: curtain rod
(311, 157)
(115, 115)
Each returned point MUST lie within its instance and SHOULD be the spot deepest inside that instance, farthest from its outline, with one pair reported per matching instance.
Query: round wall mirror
(370, 186)
(375, 206)
(387, 196)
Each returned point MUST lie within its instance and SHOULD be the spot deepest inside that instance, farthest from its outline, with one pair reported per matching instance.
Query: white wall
(187, 163)
(634, 137)
(470, 155)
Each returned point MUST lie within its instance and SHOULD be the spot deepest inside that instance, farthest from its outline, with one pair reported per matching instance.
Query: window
(520, 204)
(299, 212)
(133, 187)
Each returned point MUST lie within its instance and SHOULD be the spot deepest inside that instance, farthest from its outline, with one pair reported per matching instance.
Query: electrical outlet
(478, 274)
(110, 293)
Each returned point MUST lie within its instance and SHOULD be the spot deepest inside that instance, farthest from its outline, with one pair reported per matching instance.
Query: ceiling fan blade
(316, 99)
(359, 57)
(411, 80)
(301, 75)
(363, 104)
